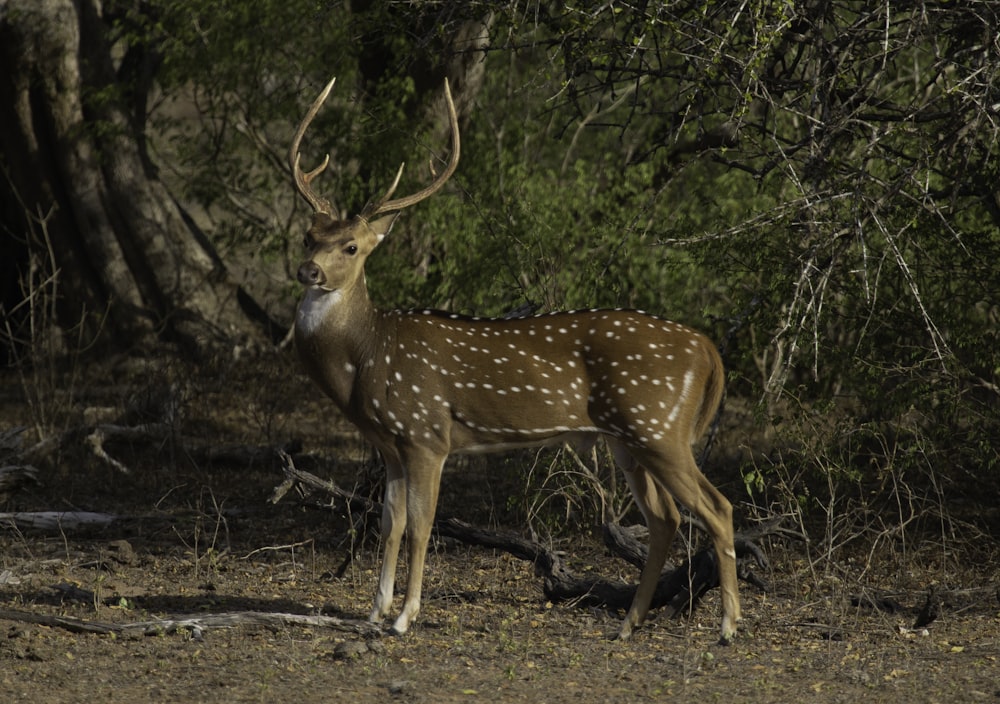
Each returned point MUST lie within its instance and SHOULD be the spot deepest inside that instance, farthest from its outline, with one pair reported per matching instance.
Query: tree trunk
(88, 227)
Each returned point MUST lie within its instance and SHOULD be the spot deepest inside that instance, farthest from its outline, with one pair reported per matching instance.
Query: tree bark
(94, 230)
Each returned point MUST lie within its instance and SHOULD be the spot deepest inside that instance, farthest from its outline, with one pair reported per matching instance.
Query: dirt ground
(200, 538)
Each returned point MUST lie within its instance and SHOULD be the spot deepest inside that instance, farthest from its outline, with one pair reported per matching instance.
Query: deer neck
(335, 334)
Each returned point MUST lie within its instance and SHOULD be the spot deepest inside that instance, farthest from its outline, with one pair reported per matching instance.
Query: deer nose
(310, 274)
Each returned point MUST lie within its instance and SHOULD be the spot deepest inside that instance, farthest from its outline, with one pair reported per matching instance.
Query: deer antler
(384, 205)
(302, 180)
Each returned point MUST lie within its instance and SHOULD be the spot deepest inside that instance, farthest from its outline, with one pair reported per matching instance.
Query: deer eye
(351, 249)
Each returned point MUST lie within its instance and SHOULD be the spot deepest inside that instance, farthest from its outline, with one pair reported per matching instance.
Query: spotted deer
(423, 384)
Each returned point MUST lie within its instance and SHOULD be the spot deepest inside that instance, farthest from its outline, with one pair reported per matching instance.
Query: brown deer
(421, 385)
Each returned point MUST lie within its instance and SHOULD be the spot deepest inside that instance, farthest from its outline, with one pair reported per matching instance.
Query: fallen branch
(13, 478)
(305, 482)
(679, 588)
(95, 438)
(196, 624)
(56, 520)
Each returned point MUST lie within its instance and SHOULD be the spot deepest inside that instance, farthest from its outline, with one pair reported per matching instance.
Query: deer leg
(681, 477)
(662, 518)
(719, 516)
(422, 485)
(393, 524)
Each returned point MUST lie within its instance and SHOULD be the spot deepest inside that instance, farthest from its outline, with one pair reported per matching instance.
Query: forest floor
(199, 537)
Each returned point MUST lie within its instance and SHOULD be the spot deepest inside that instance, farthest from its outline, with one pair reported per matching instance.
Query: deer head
(338, 248)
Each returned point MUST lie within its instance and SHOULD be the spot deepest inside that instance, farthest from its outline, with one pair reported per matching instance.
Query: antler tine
(392, 188)
(302, 180)
(384, 205)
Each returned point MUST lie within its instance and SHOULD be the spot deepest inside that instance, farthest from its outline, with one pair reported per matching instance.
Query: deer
(422, 385)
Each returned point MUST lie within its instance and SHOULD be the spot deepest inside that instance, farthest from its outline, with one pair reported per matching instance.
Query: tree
(93, 211)
(80, 192)
(862, 132)
(835, 165)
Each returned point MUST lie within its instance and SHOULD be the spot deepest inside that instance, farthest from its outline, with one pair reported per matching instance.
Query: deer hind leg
(423, 480)
(393, 525)
(662, 519)
(678, 473)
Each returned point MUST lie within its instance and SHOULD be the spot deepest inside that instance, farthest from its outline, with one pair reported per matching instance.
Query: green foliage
(812, 186)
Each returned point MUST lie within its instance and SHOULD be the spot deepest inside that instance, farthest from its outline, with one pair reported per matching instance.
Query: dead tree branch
(194, 624)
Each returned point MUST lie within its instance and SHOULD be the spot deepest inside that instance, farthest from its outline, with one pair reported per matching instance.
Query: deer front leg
(393, 524)
(422, 484)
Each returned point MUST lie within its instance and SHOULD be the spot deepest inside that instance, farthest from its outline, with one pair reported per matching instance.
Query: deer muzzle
(310, 274)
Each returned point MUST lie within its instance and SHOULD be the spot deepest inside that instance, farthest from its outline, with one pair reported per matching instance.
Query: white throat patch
(313, 309)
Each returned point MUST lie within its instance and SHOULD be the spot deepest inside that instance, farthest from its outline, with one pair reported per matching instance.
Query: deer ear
(383, 225)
